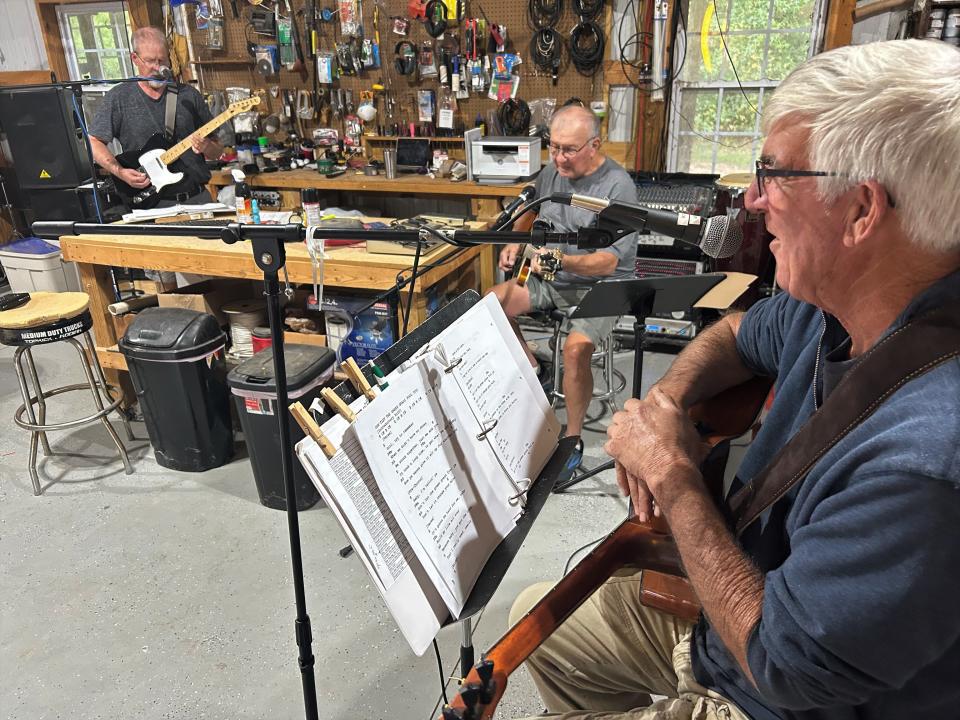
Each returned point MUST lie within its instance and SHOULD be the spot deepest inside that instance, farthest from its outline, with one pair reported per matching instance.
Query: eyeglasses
(568, 152)
(153, 62)
(764, 172)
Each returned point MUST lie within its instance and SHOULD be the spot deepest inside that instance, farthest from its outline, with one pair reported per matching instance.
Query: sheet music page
(525, 430)
(432, 471)
(349, 490)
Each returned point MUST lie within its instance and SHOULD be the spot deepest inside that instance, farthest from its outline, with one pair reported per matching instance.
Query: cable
(586, 47)
(732, 65)
(513, 115)
(93, 170)
(413, 278)
(587, 9)
(443, 684)
(566, 568)
(544, 14)
(546, 51)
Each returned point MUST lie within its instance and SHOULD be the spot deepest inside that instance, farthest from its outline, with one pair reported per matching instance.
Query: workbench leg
(95, 282)
(488, 267)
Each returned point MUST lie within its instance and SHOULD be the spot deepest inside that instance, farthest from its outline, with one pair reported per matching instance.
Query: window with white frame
(96, 40)
(734, 52)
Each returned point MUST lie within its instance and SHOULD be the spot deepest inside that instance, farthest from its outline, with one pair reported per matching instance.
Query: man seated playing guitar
(840, 601)
(577, 166)
(134, 112)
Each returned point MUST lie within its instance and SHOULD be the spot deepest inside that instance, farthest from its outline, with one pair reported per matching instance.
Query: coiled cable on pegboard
(587, 9)
(513, 116)
(586, 47)
(544, 13)
(546, 51)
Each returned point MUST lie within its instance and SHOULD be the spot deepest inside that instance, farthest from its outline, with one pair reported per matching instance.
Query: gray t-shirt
(609, 181)
(132, 117)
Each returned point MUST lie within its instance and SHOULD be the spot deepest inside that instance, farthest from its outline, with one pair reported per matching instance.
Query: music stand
(555, 471)
(640, 298)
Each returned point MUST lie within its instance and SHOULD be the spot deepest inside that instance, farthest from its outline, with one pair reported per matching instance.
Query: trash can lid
(307, 366)
(166, 334)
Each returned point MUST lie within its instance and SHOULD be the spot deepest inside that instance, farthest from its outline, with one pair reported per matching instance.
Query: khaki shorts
(545, 297)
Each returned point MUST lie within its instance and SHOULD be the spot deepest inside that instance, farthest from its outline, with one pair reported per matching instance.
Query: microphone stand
(267, 243)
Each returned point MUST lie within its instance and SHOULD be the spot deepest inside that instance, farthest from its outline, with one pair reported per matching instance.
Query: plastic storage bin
(177, 366)
(254, 389)
(33, 264)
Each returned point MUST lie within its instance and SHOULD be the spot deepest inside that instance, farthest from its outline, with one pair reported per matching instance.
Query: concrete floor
(169, 595)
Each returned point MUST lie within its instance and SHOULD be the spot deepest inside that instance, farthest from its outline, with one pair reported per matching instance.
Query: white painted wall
(21, 45)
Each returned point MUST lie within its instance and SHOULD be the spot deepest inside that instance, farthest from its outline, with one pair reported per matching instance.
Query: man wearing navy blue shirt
(840, 602)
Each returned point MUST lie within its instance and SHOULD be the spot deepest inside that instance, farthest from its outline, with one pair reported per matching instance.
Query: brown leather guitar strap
(906, 353)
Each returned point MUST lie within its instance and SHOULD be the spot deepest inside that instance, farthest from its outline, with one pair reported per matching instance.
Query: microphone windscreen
(165, 73)
(722, 237)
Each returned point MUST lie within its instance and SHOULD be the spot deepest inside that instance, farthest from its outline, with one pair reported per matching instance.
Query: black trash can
(255, 393)
(177, 366)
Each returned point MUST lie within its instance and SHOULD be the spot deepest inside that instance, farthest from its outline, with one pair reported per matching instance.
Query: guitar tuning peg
(450, 713)
(488, 686)
(470, 694)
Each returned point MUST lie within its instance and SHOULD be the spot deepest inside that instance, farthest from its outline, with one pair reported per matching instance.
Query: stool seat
(47, 317)
(44, 308)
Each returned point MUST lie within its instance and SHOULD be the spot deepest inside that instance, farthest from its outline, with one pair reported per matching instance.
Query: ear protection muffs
(405, 61)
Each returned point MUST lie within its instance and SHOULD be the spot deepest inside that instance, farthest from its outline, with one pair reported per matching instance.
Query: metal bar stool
(613, 381)
(53, 317)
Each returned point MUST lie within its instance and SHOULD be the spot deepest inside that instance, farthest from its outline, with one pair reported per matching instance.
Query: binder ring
(449, 368)
(491, 423)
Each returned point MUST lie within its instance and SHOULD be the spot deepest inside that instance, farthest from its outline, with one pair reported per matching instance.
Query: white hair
(147, 34)
(577, 113)
(887, 111)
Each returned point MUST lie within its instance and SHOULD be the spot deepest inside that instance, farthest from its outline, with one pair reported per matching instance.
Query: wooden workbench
(346, 267)
(484, 199)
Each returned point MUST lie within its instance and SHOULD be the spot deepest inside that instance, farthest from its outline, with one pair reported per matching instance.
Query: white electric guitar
(156, 156)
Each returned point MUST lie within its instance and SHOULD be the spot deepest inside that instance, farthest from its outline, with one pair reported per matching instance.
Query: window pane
(735, 155)
(112, 67)
(787, 51)
(698, 111)
(792, 13)
(746, 52)
(695, 154)
(699, 67)
(738, 113)
(751, 15)
(88, 63)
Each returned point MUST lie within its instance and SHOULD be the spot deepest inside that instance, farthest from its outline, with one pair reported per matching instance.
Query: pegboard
(233, 66)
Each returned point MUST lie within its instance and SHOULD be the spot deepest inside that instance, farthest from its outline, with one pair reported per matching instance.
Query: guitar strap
(170, 111)
(907, 353)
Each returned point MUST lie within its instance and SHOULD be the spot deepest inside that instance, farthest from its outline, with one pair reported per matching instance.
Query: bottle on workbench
(243, 195)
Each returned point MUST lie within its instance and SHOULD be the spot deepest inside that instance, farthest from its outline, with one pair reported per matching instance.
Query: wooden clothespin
(337, 403)
(310, 427)
(357, 379)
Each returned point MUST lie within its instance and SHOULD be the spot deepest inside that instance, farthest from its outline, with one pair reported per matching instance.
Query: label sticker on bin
(258, 406)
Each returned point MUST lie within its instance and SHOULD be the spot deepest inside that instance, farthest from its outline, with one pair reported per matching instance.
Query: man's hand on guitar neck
(210, 149)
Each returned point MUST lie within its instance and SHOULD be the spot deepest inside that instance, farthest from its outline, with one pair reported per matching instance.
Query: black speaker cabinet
(62, 204)
(47, 150)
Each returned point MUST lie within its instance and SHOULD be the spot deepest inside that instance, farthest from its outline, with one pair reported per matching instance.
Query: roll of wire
(544, 14)
(586, 47)
(243, 316)
(587, 9)
(513, 115)
(546, 50)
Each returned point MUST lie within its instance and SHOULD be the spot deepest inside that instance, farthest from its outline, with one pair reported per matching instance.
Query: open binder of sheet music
(433, 472)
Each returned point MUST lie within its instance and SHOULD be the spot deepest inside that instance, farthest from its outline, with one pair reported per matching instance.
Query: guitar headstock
(478, 696)
(244, 105)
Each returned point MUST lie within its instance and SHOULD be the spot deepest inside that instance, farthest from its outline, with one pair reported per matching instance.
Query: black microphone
(718, 237)
(525, 196)
(164, 73)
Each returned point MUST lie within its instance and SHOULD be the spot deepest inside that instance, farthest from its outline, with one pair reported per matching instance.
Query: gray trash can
(254, 389)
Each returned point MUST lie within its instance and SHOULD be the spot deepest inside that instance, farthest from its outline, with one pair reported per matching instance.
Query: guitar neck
(181, 147)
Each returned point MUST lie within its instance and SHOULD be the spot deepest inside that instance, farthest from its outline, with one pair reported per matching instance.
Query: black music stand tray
(554, 472)
(640, 298)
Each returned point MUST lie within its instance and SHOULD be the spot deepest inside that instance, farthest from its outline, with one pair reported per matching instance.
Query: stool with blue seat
(51, 317)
